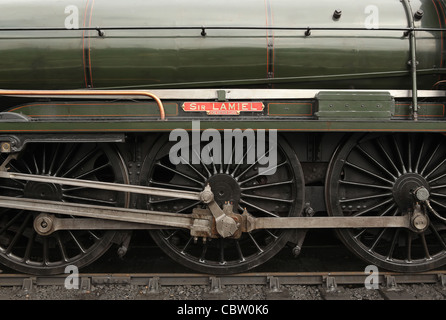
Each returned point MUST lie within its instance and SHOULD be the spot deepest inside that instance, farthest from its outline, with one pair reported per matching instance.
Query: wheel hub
(404, 188)
(43, 191)
(225, 188)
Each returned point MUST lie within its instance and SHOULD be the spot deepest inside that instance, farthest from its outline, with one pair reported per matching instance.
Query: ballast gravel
(233, 293)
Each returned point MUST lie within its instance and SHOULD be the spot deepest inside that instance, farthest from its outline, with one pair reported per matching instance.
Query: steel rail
(258, 278)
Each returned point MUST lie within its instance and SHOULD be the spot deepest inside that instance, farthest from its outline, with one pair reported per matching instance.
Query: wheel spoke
(267, 198)
(373, 207)
(189, 206)
(368, 172)
(425, 247)
(193, 168)
(183, 251)
(18, 234)
(393, 244)
(239, 251)
(417, 165)
(45, 253)
(379, 165)
(366, 197)
(87, 157)
(430, 158)
(202, 164)
(180, 173)
(241, 161)
(235, 182)
(409, 154)
(12, 221)
(267, 185)
(35, 254)
(252, 165)
(222, 252)
(437, 235)
(411, 161)
(377, 239)
(94, 170)
(29, 246)
(399, 155)
(436, 179)
(259, 249)
(203, 253)
(435, 169)
(409, 245)
(174, 186)
(264, 172)
(258, 208)
(366, 185)
(77, 241)
(53, 161)
(62, 248)
(95, 200)
(67, 157)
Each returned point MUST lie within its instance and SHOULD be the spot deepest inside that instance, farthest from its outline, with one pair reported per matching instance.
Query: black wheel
(21, 248)
(375, 175)
(277, 195)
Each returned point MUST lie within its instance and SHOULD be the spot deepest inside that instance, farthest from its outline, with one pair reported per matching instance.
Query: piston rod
(103, 185)
(198, 225)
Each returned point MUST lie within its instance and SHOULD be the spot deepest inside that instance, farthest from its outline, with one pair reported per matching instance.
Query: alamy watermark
(372, 19)
(72, 18)
(72, 280)
(371, 282)
(232, 146)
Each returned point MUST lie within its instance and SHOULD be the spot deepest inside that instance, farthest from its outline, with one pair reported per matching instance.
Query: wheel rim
(21, 248)
(275, 195)
(374, 175)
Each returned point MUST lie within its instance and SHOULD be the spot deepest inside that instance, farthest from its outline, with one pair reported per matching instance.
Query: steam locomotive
(227, 129)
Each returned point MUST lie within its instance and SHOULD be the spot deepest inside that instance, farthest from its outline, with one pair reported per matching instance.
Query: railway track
(325, 270)
(255, 286)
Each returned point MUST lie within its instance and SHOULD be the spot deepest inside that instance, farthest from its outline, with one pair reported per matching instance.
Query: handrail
(86, 93)
(413, 58)
(201, 28)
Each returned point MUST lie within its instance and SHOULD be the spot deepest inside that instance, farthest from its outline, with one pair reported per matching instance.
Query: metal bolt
(422, 194)
(337, 14)
(5, 147)
(419, 14)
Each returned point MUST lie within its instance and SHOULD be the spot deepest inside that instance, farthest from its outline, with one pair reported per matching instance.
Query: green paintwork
(226, 58)
(296, 109)
(94, 109)
(186, 59)
(434, 110)
(333, 105)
